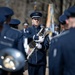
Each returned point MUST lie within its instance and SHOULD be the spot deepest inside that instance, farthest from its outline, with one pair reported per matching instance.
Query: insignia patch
(55, 52)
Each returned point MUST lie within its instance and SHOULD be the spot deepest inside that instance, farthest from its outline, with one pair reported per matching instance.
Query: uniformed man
(37, 61)
(9, 32)
(62, 49)
(14, 23)
(26, 35)
(12, 33)
(25, 29)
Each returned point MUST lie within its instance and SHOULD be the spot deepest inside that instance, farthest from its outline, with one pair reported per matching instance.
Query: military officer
(9, 32)
(14, 23)
(26, 36)
(62, 49)
(12, 33)
(25, 29)
(37, 61)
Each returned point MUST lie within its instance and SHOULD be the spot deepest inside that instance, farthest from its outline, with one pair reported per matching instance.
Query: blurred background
(23, 8)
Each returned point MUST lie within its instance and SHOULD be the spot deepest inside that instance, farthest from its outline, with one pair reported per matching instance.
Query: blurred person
(12, 34)
(62, 49)
(26, 35)
(37, 61)
(25, 28)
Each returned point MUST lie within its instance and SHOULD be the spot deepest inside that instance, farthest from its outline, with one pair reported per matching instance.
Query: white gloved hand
(38, 45)
(27, 49)
(40, 40)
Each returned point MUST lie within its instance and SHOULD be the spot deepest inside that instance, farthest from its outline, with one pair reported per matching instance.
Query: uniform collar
(37, 27)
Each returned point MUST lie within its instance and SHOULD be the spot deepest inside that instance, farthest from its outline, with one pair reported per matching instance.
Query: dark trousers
(36, 69)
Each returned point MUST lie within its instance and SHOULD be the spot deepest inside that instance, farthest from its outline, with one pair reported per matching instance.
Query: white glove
(27, 49)
(26, 46)
(41, 39)
(38, 45)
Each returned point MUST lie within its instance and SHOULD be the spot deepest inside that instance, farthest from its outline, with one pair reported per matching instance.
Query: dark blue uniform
(37, 61)
(26, 34)
(9, 32)
(62, 54)
(12, 34)
(62, 49)
(16, 36)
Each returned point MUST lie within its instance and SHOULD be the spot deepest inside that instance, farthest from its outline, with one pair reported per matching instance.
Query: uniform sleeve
(30, 35)
(46, 43)
(55, 58)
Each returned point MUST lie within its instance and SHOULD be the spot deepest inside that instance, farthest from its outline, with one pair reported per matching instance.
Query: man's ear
(67, 22)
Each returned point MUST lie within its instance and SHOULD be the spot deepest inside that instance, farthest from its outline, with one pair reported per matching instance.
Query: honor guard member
(37, 61)
(25, 29)
(26, 36)
(63, 20)
(13, 34)
(14, 23)
(9, 32)
(62, 49)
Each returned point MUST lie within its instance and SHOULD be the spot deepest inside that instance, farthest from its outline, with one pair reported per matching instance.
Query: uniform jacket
(26, 34)
(39, 55)
(15, 35)
(62, 54)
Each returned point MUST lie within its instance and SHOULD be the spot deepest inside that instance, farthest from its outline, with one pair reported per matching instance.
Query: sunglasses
(36, 19)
